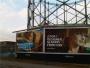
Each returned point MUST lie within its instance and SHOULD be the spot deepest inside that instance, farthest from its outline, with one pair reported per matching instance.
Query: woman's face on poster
(81, 39)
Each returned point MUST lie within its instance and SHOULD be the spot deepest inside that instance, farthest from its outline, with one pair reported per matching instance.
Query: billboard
(29, 41)
(75, 40)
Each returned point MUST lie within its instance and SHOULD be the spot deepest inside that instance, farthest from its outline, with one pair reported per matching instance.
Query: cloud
(6, 35)
(15, 4)
(11, 20)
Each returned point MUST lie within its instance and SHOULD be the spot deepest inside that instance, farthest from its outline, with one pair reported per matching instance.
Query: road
(38, 64)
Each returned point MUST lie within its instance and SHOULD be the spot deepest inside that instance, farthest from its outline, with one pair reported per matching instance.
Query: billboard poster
(29, 41)
(67, 40)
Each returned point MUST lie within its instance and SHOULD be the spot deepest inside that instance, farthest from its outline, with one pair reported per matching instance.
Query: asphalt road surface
(4, 63)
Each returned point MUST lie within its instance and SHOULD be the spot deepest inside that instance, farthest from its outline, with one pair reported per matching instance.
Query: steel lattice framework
(57, 12)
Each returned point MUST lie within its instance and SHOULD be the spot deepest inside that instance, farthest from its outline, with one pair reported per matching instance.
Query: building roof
(56, 26)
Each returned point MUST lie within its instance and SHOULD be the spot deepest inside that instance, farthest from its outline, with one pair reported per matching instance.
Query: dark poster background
(54, 40)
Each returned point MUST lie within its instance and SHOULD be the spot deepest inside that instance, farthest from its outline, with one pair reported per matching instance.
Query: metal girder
(56, 9)
(44, 9)
(64, 3)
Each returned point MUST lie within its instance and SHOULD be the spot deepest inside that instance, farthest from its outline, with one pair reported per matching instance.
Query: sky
(13, 17)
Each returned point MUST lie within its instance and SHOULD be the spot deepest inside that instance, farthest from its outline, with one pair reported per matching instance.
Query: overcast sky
(13, 16)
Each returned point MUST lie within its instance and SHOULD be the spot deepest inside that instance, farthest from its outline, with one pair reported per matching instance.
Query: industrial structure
(57, 12)
(56, 29)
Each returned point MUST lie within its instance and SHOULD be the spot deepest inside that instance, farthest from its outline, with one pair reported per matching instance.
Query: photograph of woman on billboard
(75, 43)
(77, 40)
